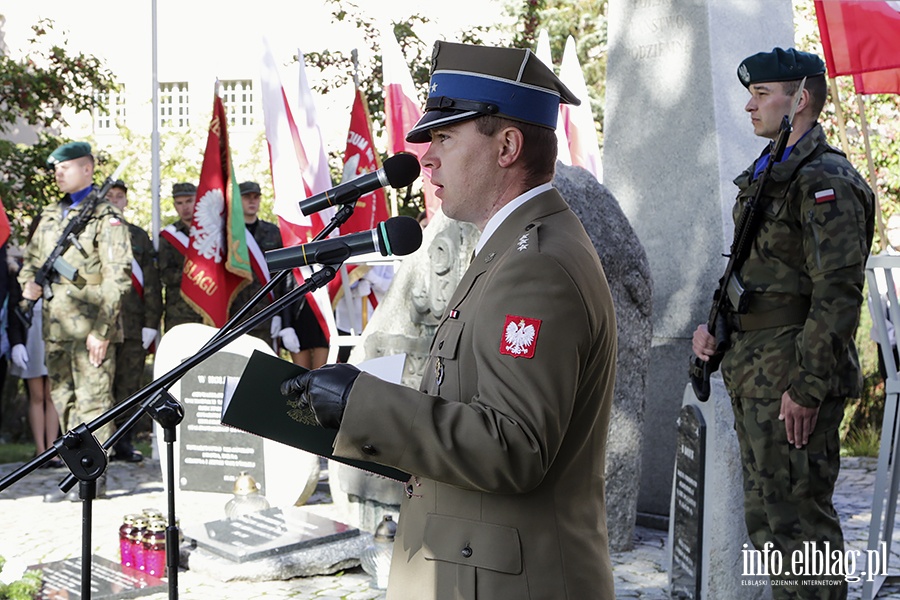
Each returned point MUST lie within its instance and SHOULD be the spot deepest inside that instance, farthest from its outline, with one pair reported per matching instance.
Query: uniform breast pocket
(446, 340)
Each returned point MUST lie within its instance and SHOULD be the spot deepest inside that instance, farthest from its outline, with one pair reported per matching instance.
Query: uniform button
(441, 344)
(467, 552)
(369, 449)
(409, 491)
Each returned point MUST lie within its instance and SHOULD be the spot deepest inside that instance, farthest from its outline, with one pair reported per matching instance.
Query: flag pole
(839, 113)
(873, 179)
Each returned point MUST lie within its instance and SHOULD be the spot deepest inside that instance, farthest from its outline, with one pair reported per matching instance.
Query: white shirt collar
(494, 223)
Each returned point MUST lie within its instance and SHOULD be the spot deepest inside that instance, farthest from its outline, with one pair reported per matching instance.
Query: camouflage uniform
(137, 313)
(80, 391)
(805, 275)
(171, 264)
(268, 237)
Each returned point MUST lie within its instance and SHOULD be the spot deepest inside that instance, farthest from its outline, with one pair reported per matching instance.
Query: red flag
(212, 274)
(859, 36)
(401, 110)
(878, 82)
(4, 225)
(360, 158)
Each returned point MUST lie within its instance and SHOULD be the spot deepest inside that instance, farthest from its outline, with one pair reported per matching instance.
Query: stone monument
(407, 318)
(675, 136)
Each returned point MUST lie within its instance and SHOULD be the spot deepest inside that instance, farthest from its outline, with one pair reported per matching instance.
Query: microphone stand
(87, 460)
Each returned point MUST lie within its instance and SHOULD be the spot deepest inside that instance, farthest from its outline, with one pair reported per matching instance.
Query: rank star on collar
(522, 244)
(519, 338)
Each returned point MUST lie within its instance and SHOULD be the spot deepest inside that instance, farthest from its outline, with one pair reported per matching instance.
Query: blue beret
(69, 151)
(469, 81)
(779, 65)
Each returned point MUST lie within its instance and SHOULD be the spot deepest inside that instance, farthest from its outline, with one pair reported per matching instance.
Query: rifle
(730, 293)
(55, 265)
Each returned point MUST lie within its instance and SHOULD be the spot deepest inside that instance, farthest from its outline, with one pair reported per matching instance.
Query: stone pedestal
(720, 507)
(675, 136)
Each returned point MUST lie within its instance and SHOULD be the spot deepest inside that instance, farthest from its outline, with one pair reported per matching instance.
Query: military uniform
(141, 308)
(508, 447)
(171, 264)
(80, 391)
(804, 278)
(268, 237)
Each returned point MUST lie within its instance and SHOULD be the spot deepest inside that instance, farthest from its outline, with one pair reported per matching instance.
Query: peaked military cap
(118, 183)
(69, 151)
(183, 189)
(249, 187)
(779, 65)
(468, 81)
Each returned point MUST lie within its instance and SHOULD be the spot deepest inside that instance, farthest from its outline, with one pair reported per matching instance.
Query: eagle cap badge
(519, 337)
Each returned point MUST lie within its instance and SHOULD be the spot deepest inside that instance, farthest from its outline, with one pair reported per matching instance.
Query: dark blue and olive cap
(469, 81)
(779, 65)
(183, 189)
(249, 187)
(69, 151)
(118, 183)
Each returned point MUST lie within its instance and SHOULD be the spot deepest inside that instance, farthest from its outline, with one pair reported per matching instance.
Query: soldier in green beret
(264, 236)
(80, 319)
(173, 243)
(141, 312)
(792, 360)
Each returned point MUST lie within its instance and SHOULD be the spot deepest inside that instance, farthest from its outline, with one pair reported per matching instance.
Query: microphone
(397, 171)
(397, 236)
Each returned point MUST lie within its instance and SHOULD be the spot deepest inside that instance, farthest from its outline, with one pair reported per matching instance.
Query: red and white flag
(216, 264)
(578, 121)
(360, 157)
(4, 224)
(862, 38)
(562, 142)
(299, 167)
(402, 110)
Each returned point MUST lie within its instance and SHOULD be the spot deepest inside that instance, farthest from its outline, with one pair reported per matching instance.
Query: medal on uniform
(439, 371)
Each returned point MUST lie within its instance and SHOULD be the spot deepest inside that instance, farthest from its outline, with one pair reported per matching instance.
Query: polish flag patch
(519, 336)
(825, 196)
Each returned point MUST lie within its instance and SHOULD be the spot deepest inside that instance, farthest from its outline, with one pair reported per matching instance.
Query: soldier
(173, 243)
(141, 312)
(792, 361)
(507, 436)
(80, 319)
(264, 236)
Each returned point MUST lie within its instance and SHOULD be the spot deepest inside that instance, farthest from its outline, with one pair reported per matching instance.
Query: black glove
(325, 390)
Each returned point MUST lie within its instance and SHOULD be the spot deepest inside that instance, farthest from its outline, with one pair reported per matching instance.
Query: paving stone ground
(35, 532)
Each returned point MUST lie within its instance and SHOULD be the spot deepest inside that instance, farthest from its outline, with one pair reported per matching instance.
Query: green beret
(779, 65)
(183, 189)
(249, 187)
(69, 151)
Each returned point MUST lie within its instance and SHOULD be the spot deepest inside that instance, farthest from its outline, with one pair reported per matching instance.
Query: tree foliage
(37, 90)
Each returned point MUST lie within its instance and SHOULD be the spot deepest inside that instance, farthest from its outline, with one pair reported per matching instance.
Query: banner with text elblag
(815, 564)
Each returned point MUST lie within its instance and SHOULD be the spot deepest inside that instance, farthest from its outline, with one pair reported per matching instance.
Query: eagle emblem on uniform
(519, 336)
(206, 231)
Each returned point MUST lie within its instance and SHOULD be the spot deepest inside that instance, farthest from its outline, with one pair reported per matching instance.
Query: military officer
(506, 437)
(173, 243)
(80, 318)
(264, 236)
(141, 312)
(792, 361)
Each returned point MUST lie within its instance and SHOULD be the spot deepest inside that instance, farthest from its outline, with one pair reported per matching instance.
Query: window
(112, 113)
(173, 105)
(237, 96)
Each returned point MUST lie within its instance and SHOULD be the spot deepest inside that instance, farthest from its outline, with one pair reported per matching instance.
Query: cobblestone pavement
(36, 532)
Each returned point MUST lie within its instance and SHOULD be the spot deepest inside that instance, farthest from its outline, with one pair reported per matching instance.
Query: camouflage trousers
(788, 494)
(80, 391)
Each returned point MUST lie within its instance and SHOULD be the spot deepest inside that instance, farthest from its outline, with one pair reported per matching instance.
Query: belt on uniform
(84, 279)
(793, 313)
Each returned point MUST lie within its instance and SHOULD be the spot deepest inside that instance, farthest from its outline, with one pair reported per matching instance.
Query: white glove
(148, 335)
(275, 327)
(289, 339)
(20, 356)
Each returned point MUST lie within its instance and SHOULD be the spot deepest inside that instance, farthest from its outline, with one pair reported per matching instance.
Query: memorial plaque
(268, 532)
(688, 526)
(109, 580)
(213, 455)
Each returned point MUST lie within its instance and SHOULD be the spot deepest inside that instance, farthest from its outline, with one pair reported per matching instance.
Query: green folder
(254, 404)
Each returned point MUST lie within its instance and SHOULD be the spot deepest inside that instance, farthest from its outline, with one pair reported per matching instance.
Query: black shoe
(132, 456)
